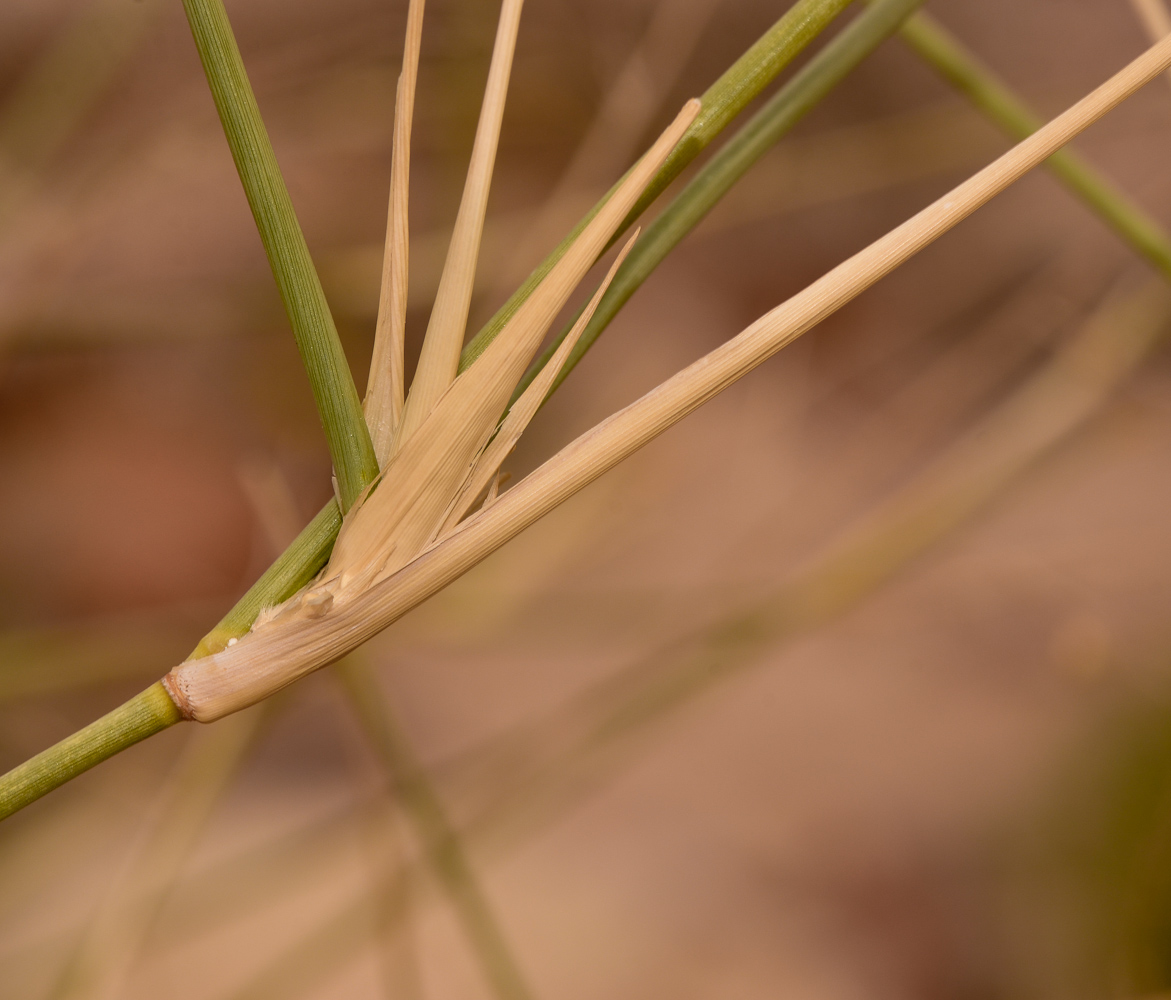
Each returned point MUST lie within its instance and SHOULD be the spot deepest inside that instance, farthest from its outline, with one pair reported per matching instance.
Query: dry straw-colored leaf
(486, 472)
(384, 393)
(439, 360)
(374, 582)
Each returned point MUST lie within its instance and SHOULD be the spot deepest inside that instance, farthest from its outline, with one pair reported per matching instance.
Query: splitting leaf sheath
(302, 637)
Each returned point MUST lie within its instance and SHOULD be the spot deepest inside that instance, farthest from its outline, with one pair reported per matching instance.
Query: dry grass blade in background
(441, 843)
(119, 927)
(62, 87)
(315, 632)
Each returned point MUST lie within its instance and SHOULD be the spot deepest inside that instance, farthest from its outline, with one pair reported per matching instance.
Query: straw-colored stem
(722, 102)
(439, 359)
(778, 117)
(444, 850)
(959, 67)
(383, 405)
(302, 640)
(144, 715)
(354, 461)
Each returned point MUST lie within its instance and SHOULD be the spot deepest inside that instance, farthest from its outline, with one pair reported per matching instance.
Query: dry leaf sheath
(386, 563)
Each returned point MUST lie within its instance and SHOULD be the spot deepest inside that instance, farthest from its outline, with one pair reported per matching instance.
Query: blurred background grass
(956, 787)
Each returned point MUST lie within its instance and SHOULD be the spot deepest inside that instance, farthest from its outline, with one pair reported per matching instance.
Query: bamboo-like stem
(444, 850)
(778, 117)
(439, 360)
(722, 102)
(354, 461)
(144, 715)
(303, 640)
(383, 405)
(960, 68)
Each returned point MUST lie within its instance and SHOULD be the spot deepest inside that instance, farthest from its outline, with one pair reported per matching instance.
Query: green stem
(148, 713)
(782, 112)
(722, 102)
(337, 399)
(444, 849)
(294, 568)
(960, 68)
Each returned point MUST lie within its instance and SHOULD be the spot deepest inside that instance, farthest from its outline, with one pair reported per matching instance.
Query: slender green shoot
(444, 850)
(294, 568)
(354, 461)
(959, 67)
(722, 102)
(144, 715)
(782, 112)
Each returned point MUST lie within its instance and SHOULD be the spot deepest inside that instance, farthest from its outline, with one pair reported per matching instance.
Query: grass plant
(532, 774)
(374, 581)
(661, 408)
(309, 552)
(429, 457)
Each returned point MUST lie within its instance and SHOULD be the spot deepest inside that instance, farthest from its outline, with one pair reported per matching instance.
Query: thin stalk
(1155, 18)
(445, 851)
(383, 405)
(354, 461)
(144, 715)
(294, 568)
(959, 67)
(779, 116)
(1145, 236)
(722, 102)
(625, 113)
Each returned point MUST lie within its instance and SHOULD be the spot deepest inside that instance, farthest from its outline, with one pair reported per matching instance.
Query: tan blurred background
(957, 787)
